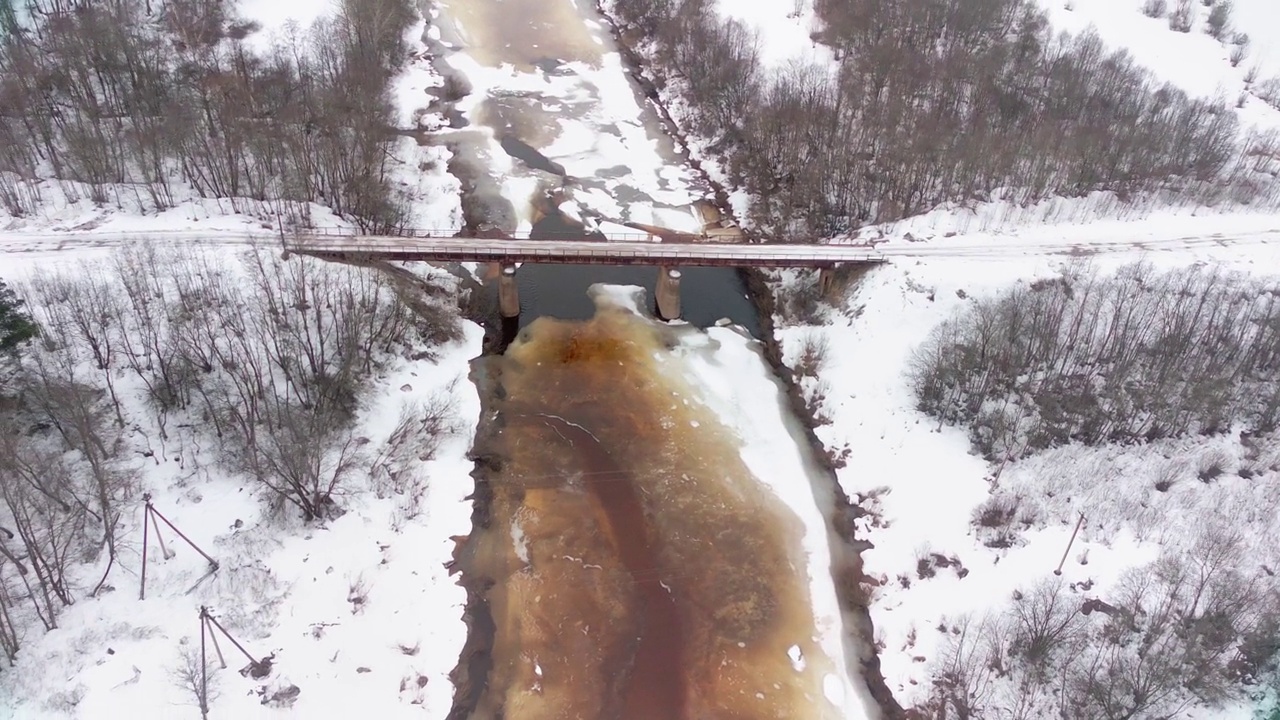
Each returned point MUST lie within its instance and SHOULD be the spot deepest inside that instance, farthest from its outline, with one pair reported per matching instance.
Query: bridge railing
(454, 233)
(591, 254)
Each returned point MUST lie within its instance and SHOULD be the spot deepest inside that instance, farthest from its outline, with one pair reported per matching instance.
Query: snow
(278, 17)
(282, 588)
(1086, 226)
(584, 116)
(921, 481)
(421, 169)
(784, 29)
(1193, 61)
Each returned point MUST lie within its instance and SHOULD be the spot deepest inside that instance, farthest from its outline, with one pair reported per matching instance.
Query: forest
(937, 101)
(1091, 358)
(160, 354)
(1083, 360)
(142, 103)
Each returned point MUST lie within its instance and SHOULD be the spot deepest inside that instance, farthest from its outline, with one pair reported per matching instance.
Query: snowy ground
(784, 30)
(282, 588)
(923, 483)
(1084, 226)
(1193, 61)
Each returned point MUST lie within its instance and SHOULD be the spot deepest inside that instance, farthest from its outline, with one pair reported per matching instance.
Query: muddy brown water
(635, 568)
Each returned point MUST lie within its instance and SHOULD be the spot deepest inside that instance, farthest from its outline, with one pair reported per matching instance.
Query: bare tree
(1047, 620)
(963, 683)
(194, 677)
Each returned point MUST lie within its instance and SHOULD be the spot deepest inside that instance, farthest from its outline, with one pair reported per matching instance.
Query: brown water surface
(639, 571)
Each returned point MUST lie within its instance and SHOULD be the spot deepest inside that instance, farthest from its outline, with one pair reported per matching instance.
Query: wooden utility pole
(1069, 544)
(147, 514)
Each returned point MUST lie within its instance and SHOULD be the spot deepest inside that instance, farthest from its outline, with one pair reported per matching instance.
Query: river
(648, 540)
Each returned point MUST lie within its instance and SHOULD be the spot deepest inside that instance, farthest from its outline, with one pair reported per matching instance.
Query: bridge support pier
(508, 294)
(826, 281)
(668, 293)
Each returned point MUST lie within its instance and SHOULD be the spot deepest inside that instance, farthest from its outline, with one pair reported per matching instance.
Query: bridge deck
(581, 251)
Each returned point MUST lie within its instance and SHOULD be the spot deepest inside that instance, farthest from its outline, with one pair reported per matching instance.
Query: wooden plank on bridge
(591, 252)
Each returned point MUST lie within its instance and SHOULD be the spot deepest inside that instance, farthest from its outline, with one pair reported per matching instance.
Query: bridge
(668, 253)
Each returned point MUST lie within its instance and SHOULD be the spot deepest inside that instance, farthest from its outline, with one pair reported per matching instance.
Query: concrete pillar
(508, 294)
(826, 281)
(668, 294)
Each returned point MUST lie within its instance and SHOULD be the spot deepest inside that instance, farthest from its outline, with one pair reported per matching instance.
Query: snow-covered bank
(739, 386)
(921, 483)
(359, 611)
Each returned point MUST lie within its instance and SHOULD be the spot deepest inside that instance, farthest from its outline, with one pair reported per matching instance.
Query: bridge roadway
(580, 251)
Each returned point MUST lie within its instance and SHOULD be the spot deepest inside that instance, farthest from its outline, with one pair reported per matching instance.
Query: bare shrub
(417, 437)
(1239, 48)
(358, 592)
(1269, 92)
(1219, 19)
(1181, 17)
(996, 512)
(815, 401)
(305, 457)
(1212, 464)
(972, 659)
(1166, 475)
(995, 521)
(924, 568)
(1155, 8)
(1075, 359)
(10, 640)
(812, 355)
(193, 680)
(800, 302)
